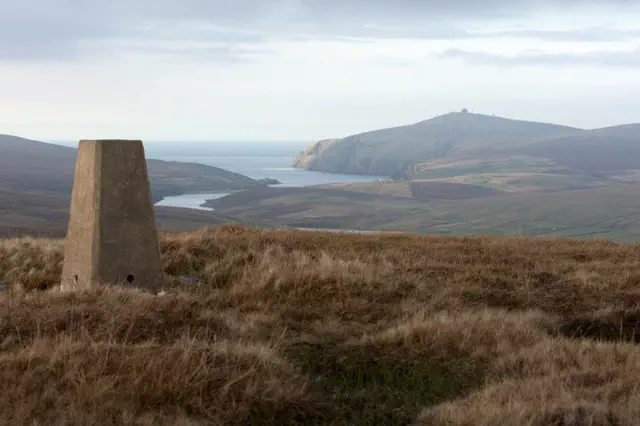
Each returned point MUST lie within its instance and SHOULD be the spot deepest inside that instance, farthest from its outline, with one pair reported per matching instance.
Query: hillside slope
(28, 165)
(47, 214)
(293, 328)
(390, 151)
(603, 150)
(607, 212)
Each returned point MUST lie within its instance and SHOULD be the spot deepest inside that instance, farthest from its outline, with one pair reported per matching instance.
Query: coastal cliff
(313, 151)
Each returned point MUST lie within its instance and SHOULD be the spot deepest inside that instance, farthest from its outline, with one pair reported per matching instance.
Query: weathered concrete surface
(111, 237)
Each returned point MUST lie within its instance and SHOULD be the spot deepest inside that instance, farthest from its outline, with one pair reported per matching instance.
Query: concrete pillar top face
(130, 143)
(110, 141)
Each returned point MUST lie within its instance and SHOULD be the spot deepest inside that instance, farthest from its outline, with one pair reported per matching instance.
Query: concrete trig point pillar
(112, 237)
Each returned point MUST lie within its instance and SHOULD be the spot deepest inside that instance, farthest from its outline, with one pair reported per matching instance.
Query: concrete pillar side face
(153, 248)
(79, 270)
(129, 251)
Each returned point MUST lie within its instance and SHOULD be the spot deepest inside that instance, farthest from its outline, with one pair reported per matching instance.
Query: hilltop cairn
(112, 236)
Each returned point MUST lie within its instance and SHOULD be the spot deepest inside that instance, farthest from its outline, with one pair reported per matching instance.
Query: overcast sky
(309, 69)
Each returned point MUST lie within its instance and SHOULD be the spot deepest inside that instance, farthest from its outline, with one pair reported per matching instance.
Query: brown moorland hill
(389, 151)
(47, 215)
(329, 329)
(434, 190)
(600, 151)
(32, 166)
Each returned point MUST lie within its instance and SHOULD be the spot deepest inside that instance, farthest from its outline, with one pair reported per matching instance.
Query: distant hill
(28, 165)
(604, 150)
(391, 151)
(29, 213)
(607, 212)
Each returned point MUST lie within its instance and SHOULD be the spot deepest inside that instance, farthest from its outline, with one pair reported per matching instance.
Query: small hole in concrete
(130, 278)
(75, 278)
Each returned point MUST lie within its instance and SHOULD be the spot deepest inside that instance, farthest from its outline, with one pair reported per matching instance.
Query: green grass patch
(361, 386)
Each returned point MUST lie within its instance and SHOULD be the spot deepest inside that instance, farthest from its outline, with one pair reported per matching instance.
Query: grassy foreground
(328, 329)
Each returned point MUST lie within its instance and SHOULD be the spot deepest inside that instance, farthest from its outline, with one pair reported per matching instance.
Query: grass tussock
(276, 327)
(66, 380)
(30, 264)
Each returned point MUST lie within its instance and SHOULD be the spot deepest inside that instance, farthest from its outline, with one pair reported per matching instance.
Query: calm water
(190, 201)
(257, 167)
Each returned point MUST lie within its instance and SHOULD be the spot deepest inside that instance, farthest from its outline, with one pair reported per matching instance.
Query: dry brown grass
(322, 328)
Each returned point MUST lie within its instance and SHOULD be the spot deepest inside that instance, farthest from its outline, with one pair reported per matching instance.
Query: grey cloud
(449, 32)
(35, 29)
(63, 29)
(330, 10)
(591, 34)
(223, 53)
(628, 59)
(432, 19)
(66, 28)
(424, 12)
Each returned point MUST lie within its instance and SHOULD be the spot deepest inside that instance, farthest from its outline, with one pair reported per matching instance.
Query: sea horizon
(218, 147)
